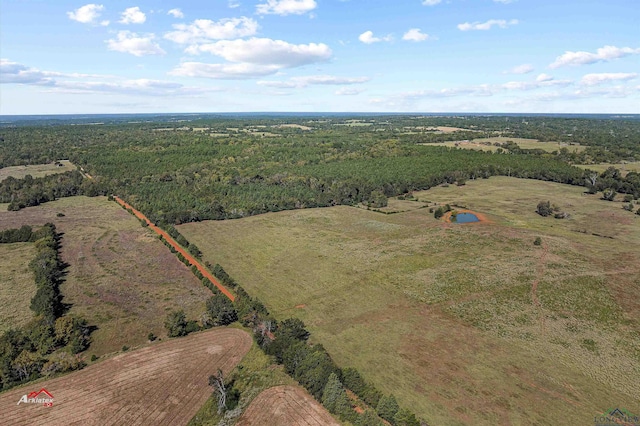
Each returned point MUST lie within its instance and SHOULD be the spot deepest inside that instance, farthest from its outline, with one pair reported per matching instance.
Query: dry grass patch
(36, 170)
(487, 144)
(623, 167)
(121, 278)
(17, 285)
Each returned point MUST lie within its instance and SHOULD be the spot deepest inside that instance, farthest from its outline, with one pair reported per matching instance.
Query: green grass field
(445, 316)
(487, 144)
(36, 170)
(121, 278)
(17, 285)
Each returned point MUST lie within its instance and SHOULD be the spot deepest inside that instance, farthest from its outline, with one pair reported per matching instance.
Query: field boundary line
(192, 261)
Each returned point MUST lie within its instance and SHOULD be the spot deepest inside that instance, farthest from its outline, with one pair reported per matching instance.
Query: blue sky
(542, 56)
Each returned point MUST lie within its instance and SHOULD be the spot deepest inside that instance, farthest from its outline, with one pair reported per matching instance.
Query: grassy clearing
(487, 144)
(36, 170)
(623, 167)
(17, 285)
(444, 315)
(121, 278)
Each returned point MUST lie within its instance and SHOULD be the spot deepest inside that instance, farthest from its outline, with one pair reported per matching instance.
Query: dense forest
(226, 167)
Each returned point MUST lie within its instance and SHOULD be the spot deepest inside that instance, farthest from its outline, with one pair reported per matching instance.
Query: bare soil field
(121, 278)
(36, 170)
(160, 384)
(17, 285)
(464, 324)
(286, 406)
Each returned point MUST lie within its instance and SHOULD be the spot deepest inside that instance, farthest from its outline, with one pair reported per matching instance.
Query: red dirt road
(286, 406)
(161, 384)
(176, 246)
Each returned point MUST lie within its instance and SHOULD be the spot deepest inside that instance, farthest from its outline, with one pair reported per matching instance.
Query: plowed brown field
(161, 384)
(286, 406)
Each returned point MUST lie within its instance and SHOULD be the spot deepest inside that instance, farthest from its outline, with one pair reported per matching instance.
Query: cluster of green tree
(24, 234)
(50, 342)
(612, 180)
(20, 193)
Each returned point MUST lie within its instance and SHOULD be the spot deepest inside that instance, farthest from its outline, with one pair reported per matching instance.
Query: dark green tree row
(48, 344)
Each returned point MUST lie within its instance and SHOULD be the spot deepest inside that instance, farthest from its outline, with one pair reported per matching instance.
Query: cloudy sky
(569, 56)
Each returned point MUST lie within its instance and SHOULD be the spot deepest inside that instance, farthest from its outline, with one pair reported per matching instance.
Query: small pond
(465, 218)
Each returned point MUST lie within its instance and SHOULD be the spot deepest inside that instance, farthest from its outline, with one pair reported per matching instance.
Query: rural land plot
(121, 278)
(160, 384)
(17, 285)
(624, 168)
(36, 170)
(487, 144)
(442, 315)
(286, 406)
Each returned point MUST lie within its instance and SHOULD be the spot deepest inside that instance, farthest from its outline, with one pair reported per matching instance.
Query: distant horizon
(473, 56)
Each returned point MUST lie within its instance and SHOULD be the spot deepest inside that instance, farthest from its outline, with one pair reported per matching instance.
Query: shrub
(544, 208)
(125, 348)
(537, 241)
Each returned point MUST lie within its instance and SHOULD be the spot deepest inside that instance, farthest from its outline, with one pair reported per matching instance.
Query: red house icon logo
(43, 397)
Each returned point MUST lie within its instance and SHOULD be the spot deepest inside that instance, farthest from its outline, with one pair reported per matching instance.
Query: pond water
(466, 218)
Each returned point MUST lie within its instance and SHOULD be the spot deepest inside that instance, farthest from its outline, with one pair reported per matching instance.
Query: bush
(176, 324)
(125, 348)
(388, 407)
(537, 241)
(151, 337)
(438, 213)
(544, 208)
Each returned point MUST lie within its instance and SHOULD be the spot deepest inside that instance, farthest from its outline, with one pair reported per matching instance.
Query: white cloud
(129, 42)
(223, 71)
(431, 2)
(520, 69)
(77, 83)
(202, 30)
(484, 26)
(133, 15)
(265, 51)
(368, 38)
(348, 92)
(596, 79)
(233, 4)
(414, 34)
(603, 54)
(300, 82)
(286, 7)
(543, 77)
(176, 13)
(88, 14)
(541, 81)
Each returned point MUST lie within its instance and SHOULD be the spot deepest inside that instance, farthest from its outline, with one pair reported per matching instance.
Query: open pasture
(487, 144)
(121, 278)
(17, 285)
(160, 384)
(36, 170)
(464, 324)
(623, 167)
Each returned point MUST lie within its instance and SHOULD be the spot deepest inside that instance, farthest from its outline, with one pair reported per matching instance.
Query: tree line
(51, 341)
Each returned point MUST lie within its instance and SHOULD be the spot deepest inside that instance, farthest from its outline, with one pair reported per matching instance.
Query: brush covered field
(16, 284)
(466, 324)
(121, 278)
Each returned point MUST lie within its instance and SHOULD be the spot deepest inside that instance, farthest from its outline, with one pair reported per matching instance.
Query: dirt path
(286, 406)
(176, 246)
(160, 384)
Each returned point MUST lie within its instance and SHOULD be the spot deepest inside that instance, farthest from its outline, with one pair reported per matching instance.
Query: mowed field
(161, 384)
(17, 285)
(465, 324)
(487, 144)
(121, 278)
(36, 170)
(286, 406)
